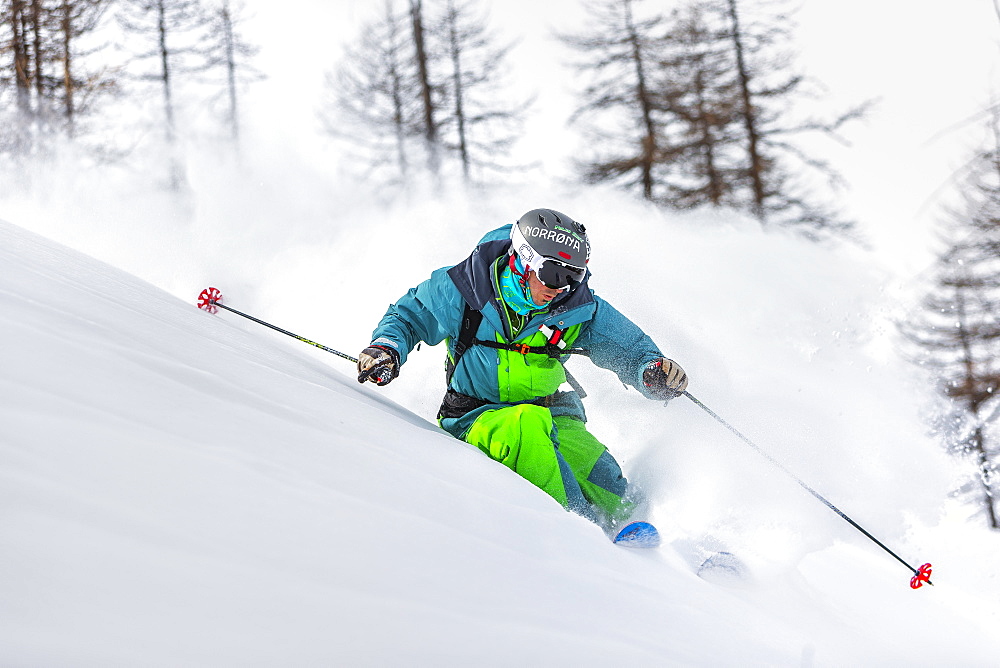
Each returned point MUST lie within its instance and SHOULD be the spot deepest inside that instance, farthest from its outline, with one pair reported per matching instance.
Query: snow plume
(186, 488)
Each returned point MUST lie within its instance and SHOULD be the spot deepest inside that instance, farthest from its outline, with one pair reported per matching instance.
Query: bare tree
(474, 125)
(81, 86)
(49, 71)
(33, 49)
(229, 51)
(957, 330)
(749, 111)
(18, 75)
(623, 110)
(422, 58)
(700, 107)
(372, 99)
(167, 30)
(414, 86)
(697, 87)
(768, 88)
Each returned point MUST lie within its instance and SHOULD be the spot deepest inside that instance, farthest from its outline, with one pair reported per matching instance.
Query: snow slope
(178, 488)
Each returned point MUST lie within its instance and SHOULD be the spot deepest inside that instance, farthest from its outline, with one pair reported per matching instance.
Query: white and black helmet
(552, 244)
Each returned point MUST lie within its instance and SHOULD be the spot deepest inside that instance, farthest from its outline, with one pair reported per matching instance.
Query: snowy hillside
(178, 488)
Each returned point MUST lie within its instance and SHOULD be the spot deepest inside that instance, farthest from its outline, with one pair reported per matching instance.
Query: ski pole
(920, 575)
(210, 298)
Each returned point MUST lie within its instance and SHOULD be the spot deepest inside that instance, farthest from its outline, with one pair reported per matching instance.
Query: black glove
(665, 379)
(379, 364)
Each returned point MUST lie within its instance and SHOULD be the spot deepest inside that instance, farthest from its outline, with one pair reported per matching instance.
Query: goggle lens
(557, 276)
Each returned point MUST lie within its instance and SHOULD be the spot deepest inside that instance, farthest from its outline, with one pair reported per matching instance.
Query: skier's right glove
(378, 364)
(665, 379)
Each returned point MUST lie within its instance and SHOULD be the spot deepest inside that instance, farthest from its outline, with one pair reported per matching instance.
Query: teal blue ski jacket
(433, 311)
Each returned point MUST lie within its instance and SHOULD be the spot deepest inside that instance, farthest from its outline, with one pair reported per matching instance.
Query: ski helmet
(552, 244)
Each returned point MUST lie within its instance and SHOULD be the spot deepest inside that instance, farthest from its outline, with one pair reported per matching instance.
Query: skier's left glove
(378, 364)
(665, 379)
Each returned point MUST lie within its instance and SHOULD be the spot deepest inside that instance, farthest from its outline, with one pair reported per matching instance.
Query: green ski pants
(558, 455)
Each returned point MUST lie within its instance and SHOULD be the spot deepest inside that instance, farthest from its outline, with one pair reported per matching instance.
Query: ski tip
(638, 534)
(723, 567)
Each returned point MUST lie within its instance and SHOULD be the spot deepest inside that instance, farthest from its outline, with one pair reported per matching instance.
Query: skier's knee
(501, 433)
(534, 423)
(607, 474)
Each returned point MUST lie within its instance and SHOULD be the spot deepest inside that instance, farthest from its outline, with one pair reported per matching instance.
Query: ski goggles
(557, 275)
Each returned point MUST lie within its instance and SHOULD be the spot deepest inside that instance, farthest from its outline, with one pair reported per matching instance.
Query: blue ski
(638, 534)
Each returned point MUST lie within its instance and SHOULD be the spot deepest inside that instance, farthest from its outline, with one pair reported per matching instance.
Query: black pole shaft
(801, 483)
(294, 336)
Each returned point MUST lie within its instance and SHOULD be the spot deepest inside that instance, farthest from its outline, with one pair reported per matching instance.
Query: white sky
(932, 65)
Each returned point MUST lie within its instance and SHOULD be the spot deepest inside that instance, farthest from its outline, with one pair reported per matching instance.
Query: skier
(512, 313)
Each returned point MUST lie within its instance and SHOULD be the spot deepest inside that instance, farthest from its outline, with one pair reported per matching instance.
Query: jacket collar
(474, 279)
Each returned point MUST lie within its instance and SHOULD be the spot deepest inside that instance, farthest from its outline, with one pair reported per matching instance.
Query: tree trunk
(396, 88)
(974, 403)
(705, 124)
(176, 177)
(985, 476)
(22, 85)
(36, 33)
(749, 117)
(649, 140)
(19, 51)
(456, 63)
(227, 23)
(430, 127)
(168, 103)
(66, 26)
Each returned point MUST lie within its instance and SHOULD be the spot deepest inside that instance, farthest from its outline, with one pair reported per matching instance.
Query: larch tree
(17, 77)
(169, 32)
(227, 50)
(956, 335)
(698, 90)
(372, 99)
(422, 87)
(422, 57)
(701, 107)
(82, 86)
(621, 111)
(474, 126)
(48, 67)
(769, 93)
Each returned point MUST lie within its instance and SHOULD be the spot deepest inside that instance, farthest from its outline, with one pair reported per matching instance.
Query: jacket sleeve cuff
(389, 346)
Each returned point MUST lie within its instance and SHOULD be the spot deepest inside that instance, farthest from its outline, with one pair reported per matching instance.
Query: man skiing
(512, 313)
